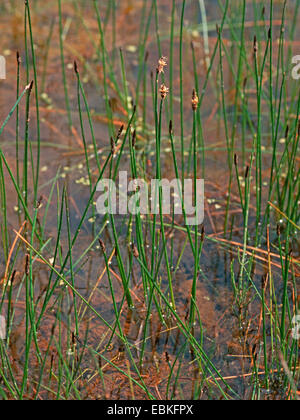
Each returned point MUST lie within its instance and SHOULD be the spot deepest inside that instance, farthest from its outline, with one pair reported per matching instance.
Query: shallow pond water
(229, 331)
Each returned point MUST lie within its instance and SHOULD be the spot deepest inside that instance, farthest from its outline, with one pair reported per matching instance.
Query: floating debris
(70, 353)
(45, 97)
(83, 181)
(131, 49)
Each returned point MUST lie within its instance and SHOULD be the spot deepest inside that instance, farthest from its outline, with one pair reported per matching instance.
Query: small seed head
(255, 45)
(113, 146)
(162, 63)
(195, 100)
(134, 139)
(135, 251)
(120, 133)
(164, 91)
(102, 245)
(27, 265)
(76, 67)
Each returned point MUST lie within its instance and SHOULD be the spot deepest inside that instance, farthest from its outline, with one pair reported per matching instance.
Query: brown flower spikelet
(195, 100)
(162, 63)
(163, 91)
